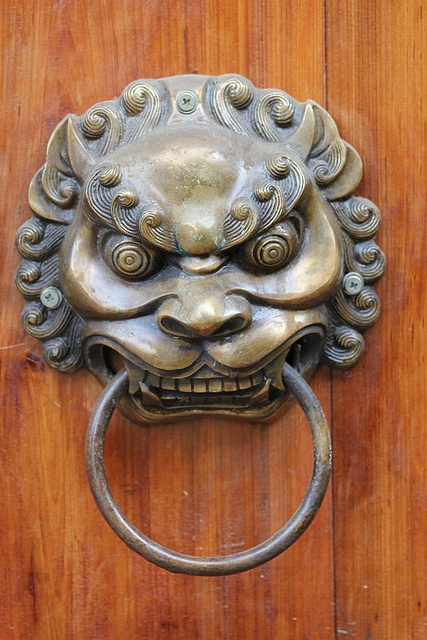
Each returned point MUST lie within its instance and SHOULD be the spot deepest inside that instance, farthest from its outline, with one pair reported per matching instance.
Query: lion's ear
(81, 160)
(55, 188)
(334, 164)
(301, 141)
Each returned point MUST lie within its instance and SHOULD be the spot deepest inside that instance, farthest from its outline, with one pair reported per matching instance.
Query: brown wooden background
(360, 571)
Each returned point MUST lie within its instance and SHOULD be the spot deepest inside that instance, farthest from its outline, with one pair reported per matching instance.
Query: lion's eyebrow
(152, 228)
(118, 206)
(271, 202)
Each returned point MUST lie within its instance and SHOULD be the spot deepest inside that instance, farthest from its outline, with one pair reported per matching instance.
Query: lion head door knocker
(203, 234)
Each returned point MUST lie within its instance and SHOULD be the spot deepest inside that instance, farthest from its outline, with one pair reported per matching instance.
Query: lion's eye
(131, 259)
(272, 252)
(275, 250)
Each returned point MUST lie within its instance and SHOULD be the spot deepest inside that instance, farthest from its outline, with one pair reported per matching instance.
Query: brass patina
(197, 245)
(201, 249)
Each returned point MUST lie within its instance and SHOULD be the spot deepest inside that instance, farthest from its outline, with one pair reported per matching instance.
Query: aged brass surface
(203, 235)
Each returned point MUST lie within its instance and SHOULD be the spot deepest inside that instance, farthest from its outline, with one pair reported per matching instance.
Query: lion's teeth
(229, 384)
(261, 395)
(257, 377)
(199, 385)
(185, 385)
(148, 397)
(154, 388)
(168, 383)
(136, 376)
(244, 383)
(153, 380)
(215, 385)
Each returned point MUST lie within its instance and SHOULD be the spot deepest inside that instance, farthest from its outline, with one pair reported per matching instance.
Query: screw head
(186, 102)
(353, 283)
(51, 297)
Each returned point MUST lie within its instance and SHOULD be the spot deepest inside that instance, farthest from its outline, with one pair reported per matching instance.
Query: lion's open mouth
(204, 390)
(208, 387)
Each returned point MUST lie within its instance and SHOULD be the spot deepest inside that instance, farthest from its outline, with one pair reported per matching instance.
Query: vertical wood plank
(377, 87)
(201, 488)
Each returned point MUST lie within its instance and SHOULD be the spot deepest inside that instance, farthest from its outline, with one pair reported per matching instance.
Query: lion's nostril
(175, 328)
(202, 328)
(232, 325)
(199, 318)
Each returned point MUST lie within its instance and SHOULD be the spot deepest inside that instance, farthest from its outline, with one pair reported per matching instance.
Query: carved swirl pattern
(295, 182)
(273, 207)
(110, 175)
(46, 323)
(99, 194)
(59, 188)
(274, 110)
(35, 239)
(103, 123)
(344, 347)
(359, 217)
(228, 96)
(360, 311)
(33, 277)
(365, 258)
(123, 212)
(143, 100)
(241, 223)
(151, 228)
(330, 163)
(65, 352)
(278, 166)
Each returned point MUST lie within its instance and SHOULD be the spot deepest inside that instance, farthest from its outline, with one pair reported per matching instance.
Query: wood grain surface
(205, 487)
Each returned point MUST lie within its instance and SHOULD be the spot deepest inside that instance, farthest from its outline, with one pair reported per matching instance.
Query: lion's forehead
(190, 165)
(198, 190)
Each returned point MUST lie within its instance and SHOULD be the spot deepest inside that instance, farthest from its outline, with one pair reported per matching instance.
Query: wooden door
(360, 570)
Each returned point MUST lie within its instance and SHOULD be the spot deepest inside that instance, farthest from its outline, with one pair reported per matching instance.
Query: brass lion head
(198, 231)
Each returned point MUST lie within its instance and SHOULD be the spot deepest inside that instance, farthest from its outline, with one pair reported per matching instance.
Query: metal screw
(186, 102)
(353, 283)
(51, 297)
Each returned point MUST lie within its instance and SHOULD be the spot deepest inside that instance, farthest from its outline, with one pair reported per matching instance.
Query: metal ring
(211, 565)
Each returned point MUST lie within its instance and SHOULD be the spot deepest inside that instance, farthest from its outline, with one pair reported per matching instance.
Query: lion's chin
(207, 387)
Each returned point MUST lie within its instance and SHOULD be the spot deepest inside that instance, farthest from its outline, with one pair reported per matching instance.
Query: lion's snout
(206, 316)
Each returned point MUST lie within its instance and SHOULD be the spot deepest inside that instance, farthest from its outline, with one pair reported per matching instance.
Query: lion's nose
(205, 318)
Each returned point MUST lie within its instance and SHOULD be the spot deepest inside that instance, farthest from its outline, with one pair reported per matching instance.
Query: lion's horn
(301, 141)
(81, 160)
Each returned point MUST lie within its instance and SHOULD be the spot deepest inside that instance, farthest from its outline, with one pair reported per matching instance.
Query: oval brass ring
(210, 565)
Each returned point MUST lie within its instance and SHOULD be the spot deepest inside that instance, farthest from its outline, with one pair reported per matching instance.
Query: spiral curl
(365, 258)
(272, 111)
(228, 95)
(359, 217)
(278, 166)
(344, 347)
(122, 211)
(241, 223)
(361, 311)
(151, 228)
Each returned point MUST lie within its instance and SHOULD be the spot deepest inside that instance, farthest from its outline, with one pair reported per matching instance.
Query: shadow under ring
(175, 561)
